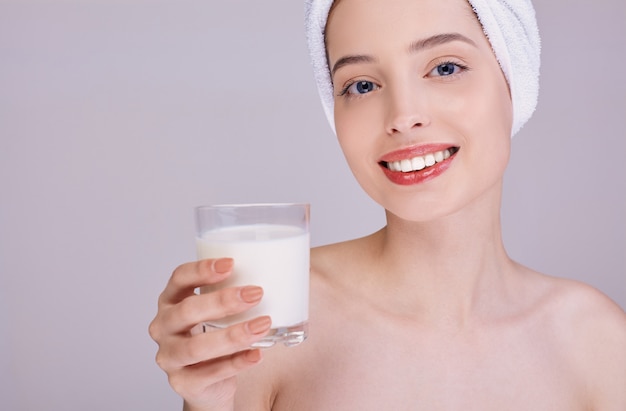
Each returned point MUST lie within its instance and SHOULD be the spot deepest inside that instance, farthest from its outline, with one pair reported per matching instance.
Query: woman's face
(416, 83)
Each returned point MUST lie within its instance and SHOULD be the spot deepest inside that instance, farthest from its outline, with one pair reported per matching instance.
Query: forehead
(356, 23)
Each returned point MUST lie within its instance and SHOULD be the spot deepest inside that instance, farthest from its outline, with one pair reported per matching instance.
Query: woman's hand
(202, 367)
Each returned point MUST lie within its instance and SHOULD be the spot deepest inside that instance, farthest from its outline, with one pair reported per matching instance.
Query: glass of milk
(270, 246)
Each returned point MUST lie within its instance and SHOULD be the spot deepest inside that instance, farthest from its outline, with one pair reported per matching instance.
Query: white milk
(275, 257)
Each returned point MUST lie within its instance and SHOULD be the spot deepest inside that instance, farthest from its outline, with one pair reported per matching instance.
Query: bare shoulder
(344, 256)
(590, 328)
(583, 331)
(581, 312)
(586, 310)
(339, 251)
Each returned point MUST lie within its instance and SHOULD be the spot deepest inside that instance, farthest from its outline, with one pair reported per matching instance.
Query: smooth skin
(429, 313)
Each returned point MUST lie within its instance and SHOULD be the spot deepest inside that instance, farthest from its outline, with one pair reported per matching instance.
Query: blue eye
(359, 87)
(447, 69)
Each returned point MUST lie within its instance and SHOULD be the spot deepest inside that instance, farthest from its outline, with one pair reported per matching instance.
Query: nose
(406, 112)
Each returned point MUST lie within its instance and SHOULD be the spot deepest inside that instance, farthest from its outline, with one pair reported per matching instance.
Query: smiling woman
(429, 312)
(432, 88)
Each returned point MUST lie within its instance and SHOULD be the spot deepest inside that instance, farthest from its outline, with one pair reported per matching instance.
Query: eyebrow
(438, 40)
(347, 60)
(415, 47)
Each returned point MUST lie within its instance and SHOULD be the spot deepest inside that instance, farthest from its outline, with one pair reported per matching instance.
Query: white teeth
(430, 160)
(405, 165)
(419, 163)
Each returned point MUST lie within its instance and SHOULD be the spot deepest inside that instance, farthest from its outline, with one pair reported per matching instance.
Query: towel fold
(510, 27)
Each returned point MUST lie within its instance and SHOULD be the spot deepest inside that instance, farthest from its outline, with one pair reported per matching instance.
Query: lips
(417, 164)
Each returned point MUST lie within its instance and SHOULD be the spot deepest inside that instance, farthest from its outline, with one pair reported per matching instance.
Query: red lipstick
(419, 176)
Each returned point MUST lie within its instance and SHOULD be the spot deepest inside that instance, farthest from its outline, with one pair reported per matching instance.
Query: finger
(187, 277)
(217, 375)
(216, 305)
(180, 351)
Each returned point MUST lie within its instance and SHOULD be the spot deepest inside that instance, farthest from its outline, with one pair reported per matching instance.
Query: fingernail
(251, 294)
(259, 325)
(223, 265)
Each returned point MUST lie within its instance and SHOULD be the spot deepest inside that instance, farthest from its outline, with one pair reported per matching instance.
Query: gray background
(117, 117)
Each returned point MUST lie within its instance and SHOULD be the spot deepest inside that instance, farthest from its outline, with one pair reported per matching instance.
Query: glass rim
(250, 205)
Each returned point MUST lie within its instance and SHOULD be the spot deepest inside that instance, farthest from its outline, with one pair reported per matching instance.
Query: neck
(448, 268)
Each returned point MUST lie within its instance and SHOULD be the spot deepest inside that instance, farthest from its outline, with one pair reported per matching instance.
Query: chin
(424, 208)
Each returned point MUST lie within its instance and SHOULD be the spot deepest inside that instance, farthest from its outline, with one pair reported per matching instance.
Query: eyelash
(344, 91)
(463, 67)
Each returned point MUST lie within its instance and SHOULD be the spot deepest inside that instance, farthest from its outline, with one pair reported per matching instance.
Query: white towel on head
(510, 26)
(315, 18)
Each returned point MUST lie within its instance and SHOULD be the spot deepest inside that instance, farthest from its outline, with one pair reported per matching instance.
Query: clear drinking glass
(270, 246)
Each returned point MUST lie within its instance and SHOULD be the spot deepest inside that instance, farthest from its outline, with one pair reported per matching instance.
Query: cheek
(490, 133)
(495, 108)
(358, 143)
(481, 112)
(484, 112)
(354, 152)
(346, 136)
(354, 131)
(480, 103)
